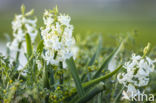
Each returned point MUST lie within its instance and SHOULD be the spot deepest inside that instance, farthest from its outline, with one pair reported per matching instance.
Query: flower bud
(147, 49)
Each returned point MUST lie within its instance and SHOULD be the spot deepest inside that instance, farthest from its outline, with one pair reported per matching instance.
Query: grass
(82, 26)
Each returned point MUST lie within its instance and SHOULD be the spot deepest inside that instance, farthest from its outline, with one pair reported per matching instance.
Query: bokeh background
(106, 17)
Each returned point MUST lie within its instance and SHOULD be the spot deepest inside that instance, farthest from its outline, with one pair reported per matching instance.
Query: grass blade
(29, 45)
(105, 63)
(72, 68)
(108, 59)
(45, 77)
(95, 81)
(91, 62)
(93, 92)
(118, 95)
(100, 98)
(96, 53)
(40, 47)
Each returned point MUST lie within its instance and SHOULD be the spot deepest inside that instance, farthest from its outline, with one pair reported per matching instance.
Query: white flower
(14, 45)
(64, 19)
(75, 51)
(31, 31)
(22, 26)
(57, 36)
(112, 65)
(48, 21)
(137, 73)
(131, 89)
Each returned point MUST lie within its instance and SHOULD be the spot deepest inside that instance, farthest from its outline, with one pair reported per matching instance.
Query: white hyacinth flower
(112, 65)
(21, 26)
(137, 73)
(64, 19)
(57, 36)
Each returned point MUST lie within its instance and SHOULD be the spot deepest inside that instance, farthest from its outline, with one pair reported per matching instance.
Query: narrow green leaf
(99, 97)
(118, 95)
(91, 62)
(92, 59)
(96, 53)
(17, 57)
(52, 80)
(40, 47)
(93, 82)
(89, 95)
(75, 98)
(71, 65)
(105, 63)
(97, 80)
(83, 77)
(34, 69)
(108, 59)
(29, 45)
(45, 76)
(51, 77)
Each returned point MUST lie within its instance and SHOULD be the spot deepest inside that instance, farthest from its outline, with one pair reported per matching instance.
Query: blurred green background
(106, 17)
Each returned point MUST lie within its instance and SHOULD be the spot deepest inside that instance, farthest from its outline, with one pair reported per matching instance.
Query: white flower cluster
(57, 36)
(21, 26)
(137, 73)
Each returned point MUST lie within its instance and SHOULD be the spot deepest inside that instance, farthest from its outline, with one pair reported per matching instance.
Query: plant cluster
(64, 69)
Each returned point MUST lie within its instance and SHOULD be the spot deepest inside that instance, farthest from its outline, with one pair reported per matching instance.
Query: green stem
(17, 55)
(61, 75)
(55, 54)
(95, 81)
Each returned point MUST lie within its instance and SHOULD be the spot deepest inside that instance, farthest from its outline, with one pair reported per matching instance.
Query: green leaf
(96, 53)
(52, 80)
(97, 80)
(118, 95)
(93, 82)
(45, 76)
(17, 56)
(29, 45)
(92, 59)
(99, 98)
(40, 47)
(89, 95)
(104, 65)
(108, 59)
(83, 77)
(71, 65)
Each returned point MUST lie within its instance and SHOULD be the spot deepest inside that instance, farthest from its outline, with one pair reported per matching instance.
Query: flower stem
(61, 75)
